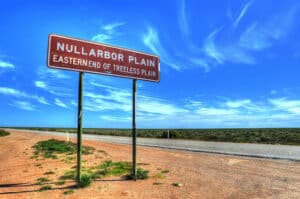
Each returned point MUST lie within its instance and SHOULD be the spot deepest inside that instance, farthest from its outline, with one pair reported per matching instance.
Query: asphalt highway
(240, 149)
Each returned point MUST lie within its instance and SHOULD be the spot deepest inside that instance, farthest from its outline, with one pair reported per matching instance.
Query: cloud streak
(12, 92)
(283, 104)
(183, 22)
(59, 103)
(221, 53)
(241, 45)
(40, 84)
(242, 13)
(6, 64)
(50, 78)
(113, 26)
(19, 94)
(49, 73)
(108, 32)
(24, 105)
(219, 113)
(152, 41)
(229, 113)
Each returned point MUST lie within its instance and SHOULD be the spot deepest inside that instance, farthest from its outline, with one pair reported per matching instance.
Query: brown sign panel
(79, 55)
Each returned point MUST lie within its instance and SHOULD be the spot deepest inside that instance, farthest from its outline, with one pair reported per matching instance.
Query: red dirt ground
(201, 175)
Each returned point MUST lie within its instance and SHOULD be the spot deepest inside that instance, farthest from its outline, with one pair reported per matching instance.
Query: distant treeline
(289, 136)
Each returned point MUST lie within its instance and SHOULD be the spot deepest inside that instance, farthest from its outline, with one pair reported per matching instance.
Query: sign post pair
(84, 56)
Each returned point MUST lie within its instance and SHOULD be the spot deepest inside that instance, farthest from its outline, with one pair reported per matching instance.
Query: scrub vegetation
(289, 136)
(45, 188)
(50, 148)
(107, 168)
(3, 133)
(41, 181)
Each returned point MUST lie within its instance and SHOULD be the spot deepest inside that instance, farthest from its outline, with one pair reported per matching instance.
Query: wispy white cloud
(42, 100)
(19, 94)
(101, 37)
(221, 53)
(292, 106)
(242, 13)
(211, 49)
(12, 92)
(241, 45)
(255, 37)
(183, 21)
(49, 73)
(58, 102)
(192, 104)
(40, 84)
(54, 81)
(113, 26)
(115, 118)
(238, 103)
(108, 32)
(231, 112)
(118, 99)
(112, 100)
(261, 35)
(157, 106)
(223, 112)
(6, 64)
(23, 105)
(246, 105)
(212, 111)
(152, 41)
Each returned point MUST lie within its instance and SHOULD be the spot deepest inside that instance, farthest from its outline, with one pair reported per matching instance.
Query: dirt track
(201, 175)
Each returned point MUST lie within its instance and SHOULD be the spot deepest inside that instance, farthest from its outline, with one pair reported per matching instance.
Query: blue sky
(230, 63)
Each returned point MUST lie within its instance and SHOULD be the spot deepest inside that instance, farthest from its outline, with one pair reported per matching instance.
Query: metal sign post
(79, 128)
(134, 172)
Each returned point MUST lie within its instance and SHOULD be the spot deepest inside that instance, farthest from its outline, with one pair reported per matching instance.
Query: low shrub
(45, 188)
(50, 148)
(85, 181)
(3, 133)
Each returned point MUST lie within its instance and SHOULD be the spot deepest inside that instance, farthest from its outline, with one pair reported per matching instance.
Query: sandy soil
(201, 175)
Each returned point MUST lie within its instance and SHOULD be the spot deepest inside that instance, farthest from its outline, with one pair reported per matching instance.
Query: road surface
(241, 149)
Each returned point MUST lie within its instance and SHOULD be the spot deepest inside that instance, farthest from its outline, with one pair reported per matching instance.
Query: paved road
(241, 149)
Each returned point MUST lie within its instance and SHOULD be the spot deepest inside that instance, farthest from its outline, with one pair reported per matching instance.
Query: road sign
(84, 56)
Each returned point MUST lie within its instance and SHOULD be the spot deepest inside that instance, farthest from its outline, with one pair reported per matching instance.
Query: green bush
(85, 180)
(41, 181)
(45, 188)
(50, 148)
(3, 133)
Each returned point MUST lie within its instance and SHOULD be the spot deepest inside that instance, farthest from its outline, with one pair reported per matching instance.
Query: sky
(224, 64)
